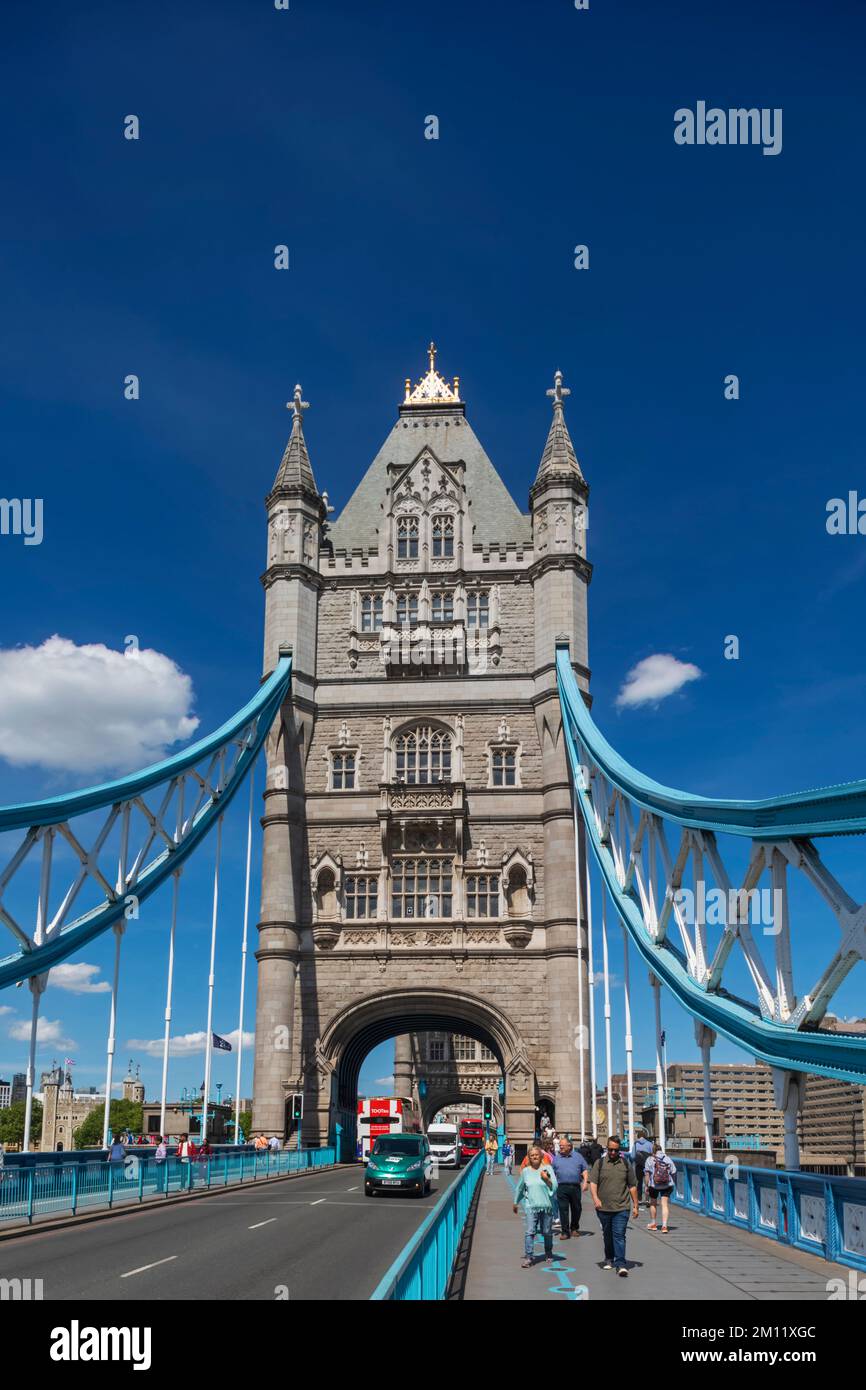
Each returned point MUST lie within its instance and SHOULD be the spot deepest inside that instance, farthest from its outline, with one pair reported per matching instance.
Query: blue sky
(306, 128)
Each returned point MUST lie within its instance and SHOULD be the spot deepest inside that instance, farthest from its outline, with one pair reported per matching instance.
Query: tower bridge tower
(419, 870)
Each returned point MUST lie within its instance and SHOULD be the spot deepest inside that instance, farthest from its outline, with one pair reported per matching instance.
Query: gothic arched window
(407, 609)
(443, 537)
(442, 607)
(423, 755)
(477, 608)
(407, 538)
(371, 613)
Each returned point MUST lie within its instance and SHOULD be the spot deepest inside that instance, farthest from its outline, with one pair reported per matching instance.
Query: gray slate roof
(559, 455)
(493, 514)
(295, 468)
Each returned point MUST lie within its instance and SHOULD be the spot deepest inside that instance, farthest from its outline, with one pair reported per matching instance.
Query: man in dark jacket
(640, 1153)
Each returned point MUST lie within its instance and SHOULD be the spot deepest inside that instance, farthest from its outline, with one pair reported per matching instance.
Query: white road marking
(353, 1189)
(319, 1203)
(142, 1268)
(261, 1223)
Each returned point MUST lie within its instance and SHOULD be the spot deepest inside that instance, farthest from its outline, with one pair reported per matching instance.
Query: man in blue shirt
(571, 1169)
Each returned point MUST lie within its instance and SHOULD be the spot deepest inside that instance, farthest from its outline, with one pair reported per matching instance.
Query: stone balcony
(428, 646)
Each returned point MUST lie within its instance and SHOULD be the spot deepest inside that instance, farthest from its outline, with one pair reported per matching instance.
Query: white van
(444, 1145)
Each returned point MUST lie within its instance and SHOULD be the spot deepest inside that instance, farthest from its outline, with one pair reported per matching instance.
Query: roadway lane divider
(142, 1268)
(422, 1271)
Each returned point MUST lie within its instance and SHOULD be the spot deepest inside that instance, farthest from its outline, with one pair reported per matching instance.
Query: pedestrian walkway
(699, 1260)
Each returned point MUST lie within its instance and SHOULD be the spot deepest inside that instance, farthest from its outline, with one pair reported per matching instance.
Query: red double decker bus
(471, 1139)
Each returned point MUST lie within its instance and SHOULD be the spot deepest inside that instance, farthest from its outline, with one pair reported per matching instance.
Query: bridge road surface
(316, 1236)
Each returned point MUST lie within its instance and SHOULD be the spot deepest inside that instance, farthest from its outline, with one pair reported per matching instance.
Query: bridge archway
(444, 1099)
(352, 1033)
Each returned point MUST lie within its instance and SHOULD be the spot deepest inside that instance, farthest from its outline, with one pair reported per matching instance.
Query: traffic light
(297, 1106)
(487, 1109)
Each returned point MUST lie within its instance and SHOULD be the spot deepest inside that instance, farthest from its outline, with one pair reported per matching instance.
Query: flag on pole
(68, 1062)
(220, 1043)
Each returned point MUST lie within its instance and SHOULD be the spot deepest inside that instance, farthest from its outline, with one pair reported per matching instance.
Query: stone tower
(133, 1086)
(419, 867)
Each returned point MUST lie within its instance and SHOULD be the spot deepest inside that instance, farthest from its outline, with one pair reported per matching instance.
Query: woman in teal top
(536, 1191)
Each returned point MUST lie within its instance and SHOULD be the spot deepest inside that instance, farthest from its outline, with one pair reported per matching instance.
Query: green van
(399, 1162)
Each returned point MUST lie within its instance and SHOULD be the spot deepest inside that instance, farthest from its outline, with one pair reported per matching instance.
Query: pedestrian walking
(613, 1185)
(571, 1171)
(508, 1156)
(660, 1174)
(117, 1151)
(491, 1149)
(640, 1153)
(536, 1193)
(161, 1149)
(546, 1156)
(185, 1149)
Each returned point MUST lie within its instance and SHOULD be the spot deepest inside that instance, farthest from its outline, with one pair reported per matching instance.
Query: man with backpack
(613, 1185)
(640, 1154)
(660, 1174)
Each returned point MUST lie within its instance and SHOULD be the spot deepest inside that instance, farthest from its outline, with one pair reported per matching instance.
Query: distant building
(832, 1123)
(63, 1109)
(5, 1094)
(19, 1087)
(446, 1072)
(184, 1117)
(133, 1086)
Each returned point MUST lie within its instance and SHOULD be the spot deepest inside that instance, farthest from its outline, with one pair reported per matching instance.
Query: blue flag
(221, 1043)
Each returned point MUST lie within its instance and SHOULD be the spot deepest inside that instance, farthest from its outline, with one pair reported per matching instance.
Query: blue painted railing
(422, 1271)
(822, 1215)
(28, 1193)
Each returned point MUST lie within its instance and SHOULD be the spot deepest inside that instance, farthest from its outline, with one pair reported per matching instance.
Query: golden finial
(431, 353)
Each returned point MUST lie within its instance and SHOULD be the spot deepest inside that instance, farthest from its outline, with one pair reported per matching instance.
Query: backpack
(661, 1171)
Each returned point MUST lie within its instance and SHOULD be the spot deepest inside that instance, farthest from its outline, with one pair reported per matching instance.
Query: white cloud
(47, 1031)
(384, 1081)
(90, 709)
(613, 980)
(654, 678)
(186, 1044)
(78, 978)
(5, 1009)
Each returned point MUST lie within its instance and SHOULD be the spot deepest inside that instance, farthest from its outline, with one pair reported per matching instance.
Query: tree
(124, 1114)
(246, 1119)
(12, 1123)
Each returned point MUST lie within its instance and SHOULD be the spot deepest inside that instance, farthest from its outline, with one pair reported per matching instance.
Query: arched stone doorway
(331, 1080)
(546, 1107)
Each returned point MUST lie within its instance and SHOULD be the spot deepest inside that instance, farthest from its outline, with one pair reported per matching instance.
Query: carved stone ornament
(518, 934)
(326, 936)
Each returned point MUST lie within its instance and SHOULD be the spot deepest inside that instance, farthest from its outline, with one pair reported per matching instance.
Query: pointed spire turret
(559, 455)
(295, 469)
